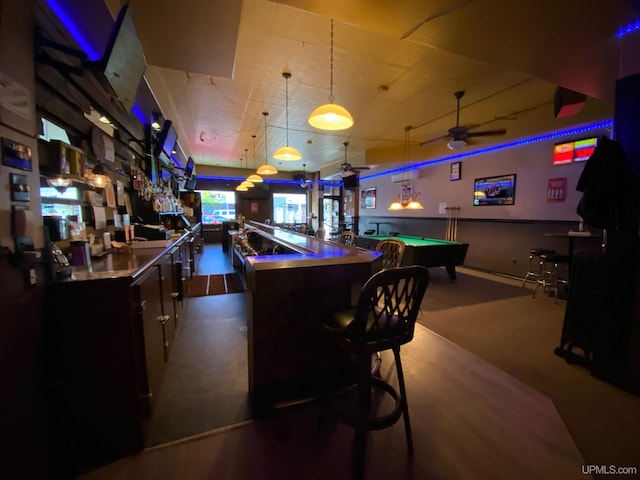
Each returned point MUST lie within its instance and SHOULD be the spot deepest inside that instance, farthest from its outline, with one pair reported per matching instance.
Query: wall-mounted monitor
(188, 169)
(165, 142)
(499, 190)
(123, 63)
(190, 184)
(574, 151)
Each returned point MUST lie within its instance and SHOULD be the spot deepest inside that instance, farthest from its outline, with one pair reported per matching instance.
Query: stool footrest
(346, 387)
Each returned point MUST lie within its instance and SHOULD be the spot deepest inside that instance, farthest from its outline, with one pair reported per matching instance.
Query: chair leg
(364, 408)
(403, 400)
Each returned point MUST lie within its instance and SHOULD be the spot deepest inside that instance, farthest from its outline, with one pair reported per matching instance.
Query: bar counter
(109, 336)
(289, 296)
(132, 263)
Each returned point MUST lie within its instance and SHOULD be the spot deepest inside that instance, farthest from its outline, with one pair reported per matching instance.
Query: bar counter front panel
(288, 298)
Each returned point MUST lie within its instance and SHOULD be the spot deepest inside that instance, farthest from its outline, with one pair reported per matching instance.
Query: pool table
(429, 252)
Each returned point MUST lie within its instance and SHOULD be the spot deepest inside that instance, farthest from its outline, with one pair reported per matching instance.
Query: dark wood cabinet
(108, 339)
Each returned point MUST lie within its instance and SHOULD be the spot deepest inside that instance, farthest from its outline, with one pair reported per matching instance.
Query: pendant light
(242, 186)
(331, 116)
(247, 183)
(407, 198)
(266, 169)
(254, 177)
(287, 153)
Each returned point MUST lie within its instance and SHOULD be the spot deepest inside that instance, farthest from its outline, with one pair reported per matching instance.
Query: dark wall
(500, 246)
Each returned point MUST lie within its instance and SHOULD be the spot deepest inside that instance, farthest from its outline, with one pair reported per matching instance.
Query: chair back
(388, 307)
(320, 233)
(347, 238)
(392, 252)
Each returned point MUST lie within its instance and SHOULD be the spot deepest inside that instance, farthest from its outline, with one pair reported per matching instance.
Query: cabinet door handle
(162, 319)
(175, 294)
(141, 306)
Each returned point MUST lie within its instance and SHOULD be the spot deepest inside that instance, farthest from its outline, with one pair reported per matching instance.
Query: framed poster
(499, 190)
(368, 198)
(456, 171)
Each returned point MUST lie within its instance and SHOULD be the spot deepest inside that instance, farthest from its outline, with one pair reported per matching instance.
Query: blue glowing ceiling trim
(139, 114)
(241, 179)
(632, 27)
(74, 29)
(518, 143)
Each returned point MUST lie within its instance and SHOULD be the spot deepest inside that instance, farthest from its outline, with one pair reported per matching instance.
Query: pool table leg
(451, 270)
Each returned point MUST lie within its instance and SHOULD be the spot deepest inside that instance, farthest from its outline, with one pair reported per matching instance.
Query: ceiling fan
(458, 136)
(346, 168)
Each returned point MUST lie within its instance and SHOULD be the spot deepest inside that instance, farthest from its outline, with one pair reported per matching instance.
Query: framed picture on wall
(368, 198)
(499, 190)
(456, 171)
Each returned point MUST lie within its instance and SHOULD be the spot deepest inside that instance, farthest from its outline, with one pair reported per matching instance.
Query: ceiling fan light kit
(287, 153)
(456, 144)
(330, 116)
(459, 134)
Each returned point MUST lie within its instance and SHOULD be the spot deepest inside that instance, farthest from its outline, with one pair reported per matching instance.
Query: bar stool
(535, 269)
(384, 319)
(550, 264)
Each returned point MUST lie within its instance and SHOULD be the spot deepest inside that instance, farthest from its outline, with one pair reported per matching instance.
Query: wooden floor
(470, 421)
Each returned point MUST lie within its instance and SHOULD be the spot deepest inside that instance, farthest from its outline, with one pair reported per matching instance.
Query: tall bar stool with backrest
(551, 265)
(347, 238)
(392, 255)
(534, 270)
(383, 319)
(392, 252)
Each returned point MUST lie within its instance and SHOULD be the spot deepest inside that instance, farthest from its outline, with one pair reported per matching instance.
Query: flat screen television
(574, 151)
(123, 63)
(500, 190)
(190, 184)
(165, 142)
(188, 169)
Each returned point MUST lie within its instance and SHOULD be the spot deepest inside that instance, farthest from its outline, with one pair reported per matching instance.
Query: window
(65, 204)
(289, 208)
(217, 206)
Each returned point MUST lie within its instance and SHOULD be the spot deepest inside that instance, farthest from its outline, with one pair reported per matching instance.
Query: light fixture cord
(246, 158)
(254, 151)
(286, 79)
(266, 154)
(331, 66)
(407, 129)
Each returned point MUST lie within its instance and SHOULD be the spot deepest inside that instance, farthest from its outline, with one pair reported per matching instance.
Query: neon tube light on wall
(518, 143)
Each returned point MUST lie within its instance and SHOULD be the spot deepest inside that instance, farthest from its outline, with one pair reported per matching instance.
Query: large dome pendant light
(331, 116)
(287, 153)
(254, 177)
(266, 169)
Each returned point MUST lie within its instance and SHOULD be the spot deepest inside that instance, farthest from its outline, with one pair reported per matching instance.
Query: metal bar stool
(550, 264)
(535, 264)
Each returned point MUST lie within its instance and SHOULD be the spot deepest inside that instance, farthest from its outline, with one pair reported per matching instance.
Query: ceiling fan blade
(436, 139)
(487, 133)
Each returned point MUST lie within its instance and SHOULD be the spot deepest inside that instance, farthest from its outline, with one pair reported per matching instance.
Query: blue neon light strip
(632, 27)
(74, 29)
(518, 143)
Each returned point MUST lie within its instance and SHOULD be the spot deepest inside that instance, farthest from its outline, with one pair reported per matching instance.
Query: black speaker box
(567, 102)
